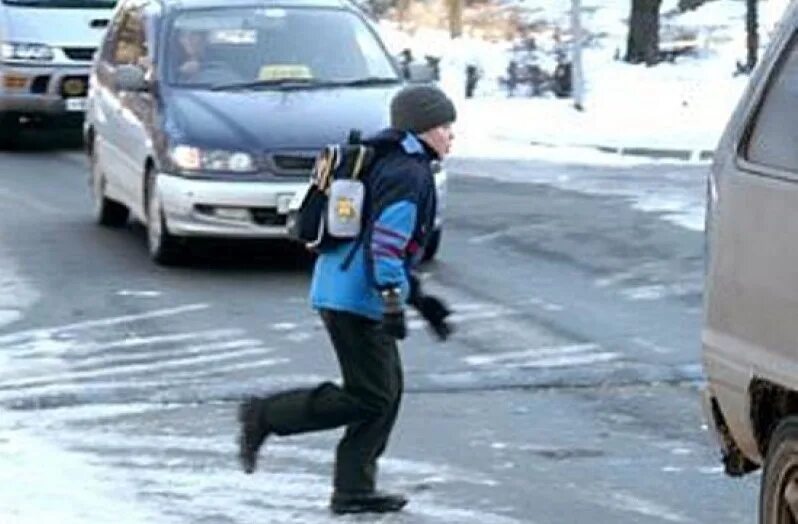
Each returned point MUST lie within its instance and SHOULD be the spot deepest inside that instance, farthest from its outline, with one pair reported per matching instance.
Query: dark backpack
(331, 209)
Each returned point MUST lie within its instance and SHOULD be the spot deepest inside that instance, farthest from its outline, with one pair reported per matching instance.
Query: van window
(773, 136)
(131, 44)
(246, 44)
(74, 4)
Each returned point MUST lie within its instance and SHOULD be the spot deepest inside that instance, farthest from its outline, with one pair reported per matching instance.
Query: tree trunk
(643, 42)
(455, 18)
(752, 33)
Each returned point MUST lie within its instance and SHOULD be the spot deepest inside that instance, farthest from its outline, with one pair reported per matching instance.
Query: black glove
(393, 314)
(435, 313)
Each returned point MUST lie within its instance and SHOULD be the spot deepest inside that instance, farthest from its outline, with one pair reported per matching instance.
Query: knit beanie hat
(419, 108)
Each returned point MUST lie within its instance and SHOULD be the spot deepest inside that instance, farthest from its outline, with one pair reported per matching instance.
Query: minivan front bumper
(240, 209)
(219, 208)
(43, 91)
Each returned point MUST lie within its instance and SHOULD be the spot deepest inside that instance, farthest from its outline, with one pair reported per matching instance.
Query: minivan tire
(780, 476)
(165, 249)
(433, 245)
(107, 212)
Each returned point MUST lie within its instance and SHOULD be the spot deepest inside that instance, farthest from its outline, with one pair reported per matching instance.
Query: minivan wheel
(778, 496)
(433, 244)
(107, 212)
(165, 249)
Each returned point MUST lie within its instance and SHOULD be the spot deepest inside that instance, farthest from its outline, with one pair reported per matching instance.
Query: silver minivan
(750, 333)
(46, 50)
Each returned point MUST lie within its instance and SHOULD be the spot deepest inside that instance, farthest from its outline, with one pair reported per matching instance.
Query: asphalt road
(569, 393)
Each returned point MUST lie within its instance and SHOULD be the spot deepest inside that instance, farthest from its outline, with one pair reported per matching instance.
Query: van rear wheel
(778, 497)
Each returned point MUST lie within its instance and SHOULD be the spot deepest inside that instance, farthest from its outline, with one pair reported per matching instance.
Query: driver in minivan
(193, 44)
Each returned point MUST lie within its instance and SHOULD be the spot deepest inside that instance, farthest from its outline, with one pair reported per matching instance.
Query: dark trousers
(367, 405)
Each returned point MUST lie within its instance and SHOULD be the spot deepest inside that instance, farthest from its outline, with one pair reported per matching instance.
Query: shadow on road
(31, 140)
(237, 255)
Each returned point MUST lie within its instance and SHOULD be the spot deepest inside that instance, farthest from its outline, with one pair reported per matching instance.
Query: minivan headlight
(26, 52)
(190, 158)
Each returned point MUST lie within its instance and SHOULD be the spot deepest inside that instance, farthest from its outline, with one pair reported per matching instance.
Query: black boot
(374, 502)
(291, 412)
(254, 431)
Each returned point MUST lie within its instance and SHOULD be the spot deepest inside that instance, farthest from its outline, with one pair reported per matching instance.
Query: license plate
(76, 104)
(284, 203)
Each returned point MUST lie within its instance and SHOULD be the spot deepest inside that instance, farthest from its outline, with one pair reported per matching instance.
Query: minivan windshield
(273, 48)
(74, 4)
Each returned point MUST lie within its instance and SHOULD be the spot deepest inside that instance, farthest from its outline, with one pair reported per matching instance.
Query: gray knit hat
(419, 108)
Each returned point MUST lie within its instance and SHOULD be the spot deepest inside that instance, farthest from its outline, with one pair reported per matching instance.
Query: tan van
(750, 334)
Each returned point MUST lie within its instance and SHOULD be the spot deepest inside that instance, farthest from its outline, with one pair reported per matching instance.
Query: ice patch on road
(676, 198)
(43, 483)
(635, 504)
(141, 294)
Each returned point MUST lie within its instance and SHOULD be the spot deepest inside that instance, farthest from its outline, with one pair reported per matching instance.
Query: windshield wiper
(280, 83)
(303, 83)
(367, 81)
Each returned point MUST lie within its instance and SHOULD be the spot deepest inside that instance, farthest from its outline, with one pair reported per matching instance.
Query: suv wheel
(778, 497)
(9, 129)
(165, 248)
(107, 212)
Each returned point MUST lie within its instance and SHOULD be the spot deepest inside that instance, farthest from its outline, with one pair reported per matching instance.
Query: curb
(687, 155)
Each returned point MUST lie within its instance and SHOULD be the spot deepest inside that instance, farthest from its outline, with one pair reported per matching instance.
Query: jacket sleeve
(396, 199)
(390, 237)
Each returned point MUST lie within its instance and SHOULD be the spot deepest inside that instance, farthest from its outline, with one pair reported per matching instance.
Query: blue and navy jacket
(399, 218)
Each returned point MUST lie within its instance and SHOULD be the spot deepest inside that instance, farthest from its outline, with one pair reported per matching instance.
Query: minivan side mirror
(128, 77)
(419, 73)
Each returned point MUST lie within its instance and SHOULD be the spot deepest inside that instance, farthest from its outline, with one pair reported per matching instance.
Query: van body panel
(751, 294)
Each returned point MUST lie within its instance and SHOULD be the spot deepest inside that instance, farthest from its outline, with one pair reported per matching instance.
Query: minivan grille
(83, 54)
(301, 163)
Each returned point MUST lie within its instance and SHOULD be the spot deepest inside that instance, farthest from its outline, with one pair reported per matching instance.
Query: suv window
(234, 44)
(130, 46)
(773, 135)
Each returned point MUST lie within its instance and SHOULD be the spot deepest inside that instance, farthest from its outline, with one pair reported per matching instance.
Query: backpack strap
(350, 256)
(365, 155)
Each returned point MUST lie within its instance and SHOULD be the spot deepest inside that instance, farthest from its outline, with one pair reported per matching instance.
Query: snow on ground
(682, 105)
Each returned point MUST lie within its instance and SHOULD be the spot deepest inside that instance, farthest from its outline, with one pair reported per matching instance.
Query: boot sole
(366, 508)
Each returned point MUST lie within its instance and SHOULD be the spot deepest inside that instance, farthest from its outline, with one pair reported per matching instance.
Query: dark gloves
(393, 314)
(435, 313)
(431, 308)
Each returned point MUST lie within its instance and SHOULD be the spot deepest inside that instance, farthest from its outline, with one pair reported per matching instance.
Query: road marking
(102, 322)
(514, 356)
(116, 359)
(36, 347)
(545, 357)
(137, 368)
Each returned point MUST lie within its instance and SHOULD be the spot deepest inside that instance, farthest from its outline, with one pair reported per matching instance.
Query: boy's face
(439, 138)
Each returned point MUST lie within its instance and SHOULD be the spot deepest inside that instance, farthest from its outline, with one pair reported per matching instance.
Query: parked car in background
(750, 335)
(46, 51)
(205, 116)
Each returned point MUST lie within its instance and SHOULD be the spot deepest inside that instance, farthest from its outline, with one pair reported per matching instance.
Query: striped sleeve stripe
(379, 238)
(392, 250)
(381, 252)
(389, 232)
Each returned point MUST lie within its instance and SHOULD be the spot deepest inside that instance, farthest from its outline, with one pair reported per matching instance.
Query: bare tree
(455, 17)
(643, 42)
(752, 33)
